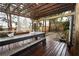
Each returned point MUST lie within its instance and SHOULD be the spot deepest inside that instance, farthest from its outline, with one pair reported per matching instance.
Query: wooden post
(32, 25)
(44, 41)
(18, 24)
(49, 25)
(45, 26)
(10, 22)
(37, 25)
(77, 29)
(9, 19)
(71, 19)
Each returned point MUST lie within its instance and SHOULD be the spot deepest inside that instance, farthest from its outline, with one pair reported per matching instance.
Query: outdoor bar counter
(14, 39)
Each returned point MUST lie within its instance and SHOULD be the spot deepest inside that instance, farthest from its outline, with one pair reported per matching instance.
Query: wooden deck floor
(52, 48)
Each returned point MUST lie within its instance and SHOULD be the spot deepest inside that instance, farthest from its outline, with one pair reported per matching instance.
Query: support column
(32, 25)
(49, 25)
(18, 23)
(9, 21)
(37, 25)
(45, 26)
(71, 19)
(77, 28)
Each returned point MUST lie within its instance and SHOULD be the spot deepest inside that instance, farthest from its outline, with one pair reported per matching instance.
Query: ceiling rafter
(34, 10)
(67, 7)
(27, 6)
(16, 7)
(45, 7)
(48, 9)
(8, 6)
(57, 11)
(51, 8)
(38, 6)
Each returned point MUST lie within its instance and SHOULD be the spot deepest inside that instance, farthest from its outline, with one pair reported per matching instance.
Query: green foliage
(66, 25)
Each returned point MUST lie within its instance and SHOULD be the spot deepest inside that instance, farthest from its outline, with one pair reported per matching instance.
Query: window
(3, 21)
(21, 23)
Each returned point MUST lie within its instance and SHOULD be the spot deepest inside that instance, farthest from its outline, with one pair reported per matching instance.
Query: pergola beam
(16, 8)
(55, 11)
(39, 10)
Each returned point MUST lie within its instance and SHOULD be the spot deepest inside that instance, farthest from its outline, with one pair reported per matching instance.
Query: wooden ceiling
(35, 10)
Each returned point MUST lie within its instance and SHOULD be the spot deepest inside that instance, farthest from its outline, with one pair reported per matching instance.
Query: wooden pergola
(34, 10)
(37, 11)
